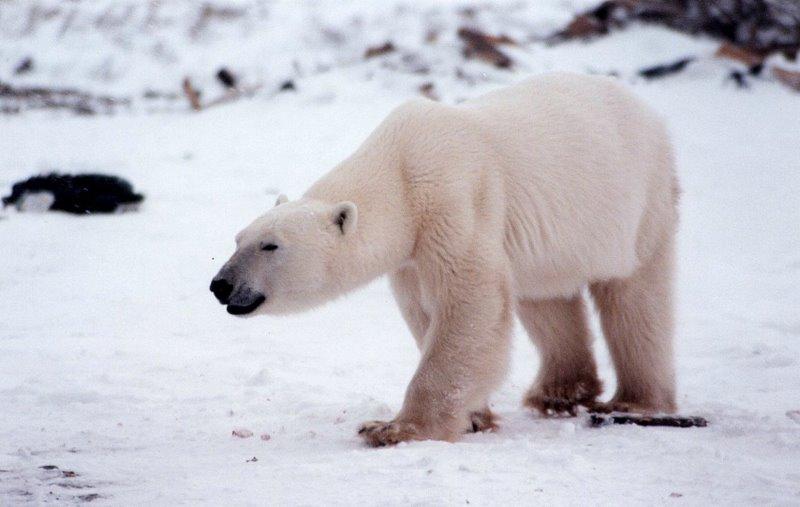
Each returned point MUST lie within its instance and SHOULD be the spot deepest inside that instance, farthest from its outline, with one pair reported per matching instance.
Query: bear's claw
(381, 433)
(560, 400)
(483, 420)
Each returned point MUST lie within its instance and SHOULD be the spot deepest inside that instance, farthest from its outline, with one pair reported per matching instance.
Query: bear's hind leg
(568, 375)
(636, 315)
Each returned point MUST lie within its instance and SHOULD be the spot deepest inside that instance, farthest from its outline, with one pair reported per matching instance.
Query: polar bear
(511, 203)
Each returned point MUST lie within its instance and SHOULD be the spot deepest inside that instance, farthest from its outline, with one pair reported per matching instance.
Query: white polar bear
(511, 202)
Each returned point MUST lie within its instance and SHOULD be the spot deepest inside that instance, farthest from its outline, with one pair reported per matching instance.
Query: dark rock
(761, 26)
(484, 46)
(385, 48)
(24, 66)
(80, 194)
(598, 420)
(659, 71)
(16, 99)
(788, 77)
(739, 78)
(287, 86)
(227, 78)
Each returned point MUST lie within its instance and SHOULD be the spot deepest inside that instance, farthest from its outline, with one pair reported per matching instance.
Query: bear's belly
(560, 238)
(531, 282)
(555, 272)
(528, 284)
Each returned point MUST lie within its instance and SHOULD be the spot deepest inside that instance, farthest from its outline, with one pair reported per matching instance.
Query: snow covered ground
(117, 364)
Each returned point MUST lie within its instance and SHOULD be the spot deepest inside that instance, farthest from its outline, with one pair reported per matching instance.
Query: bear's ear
(281, 199)
(345, 216)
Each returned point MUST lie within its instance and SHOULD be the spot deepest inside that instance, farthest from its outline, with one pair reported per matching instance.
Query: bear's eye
(269, 247)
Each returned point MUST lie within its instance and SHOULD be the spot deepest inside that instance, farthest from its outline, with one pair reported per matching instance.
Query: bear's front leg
(464, 359)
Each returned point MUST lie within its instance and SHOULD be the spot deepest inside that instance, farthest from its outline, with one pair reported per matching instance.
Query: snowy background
(121, 379)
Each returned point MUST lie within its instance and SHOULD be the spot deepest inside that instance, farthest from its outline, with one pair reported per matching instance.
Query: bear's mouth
(245, 308)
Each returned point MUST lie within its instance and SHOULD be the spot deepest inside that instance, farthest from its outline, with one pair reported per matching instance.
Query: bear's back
(581, 158)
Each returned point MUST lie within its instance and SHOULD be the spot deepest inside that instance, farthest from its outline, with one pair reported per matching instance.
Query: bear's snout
(245, 302)
(222, 289)
(240, 299)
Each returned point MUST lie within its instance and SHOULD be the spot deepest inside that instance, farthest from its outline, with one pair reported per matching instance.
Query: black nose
(222, 290)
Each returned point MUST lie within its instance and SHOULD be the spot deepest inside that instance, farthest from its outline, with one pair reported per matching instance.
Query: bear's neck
(373, 179)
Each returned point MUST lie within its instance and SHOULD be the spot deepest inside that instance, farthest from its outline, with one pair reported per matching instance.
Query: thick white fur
(511, 202)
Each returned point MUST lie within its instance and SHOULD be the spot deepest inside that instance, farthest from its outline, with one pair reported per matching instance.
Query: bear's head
(286, 260)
